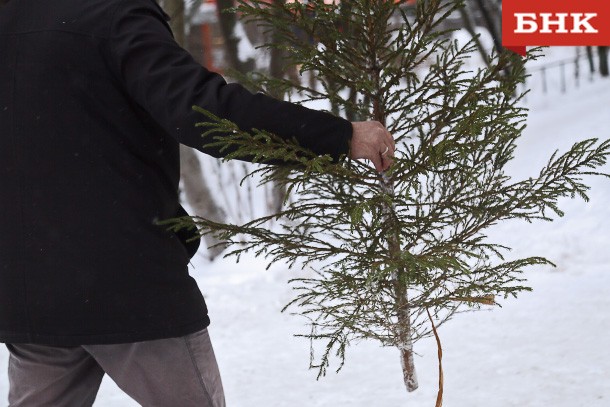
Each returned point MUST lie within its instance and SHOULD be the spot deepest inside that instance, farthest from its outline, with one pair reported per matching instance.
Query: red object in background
(554, 22)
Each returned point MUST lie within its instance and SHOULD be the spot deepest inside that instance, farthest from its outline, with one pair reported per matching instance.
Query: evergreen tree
(399, 253)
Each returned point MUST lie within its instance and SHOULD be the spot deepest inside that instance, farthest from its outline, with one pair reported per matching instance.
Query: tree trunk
(403, 307)
(603, 61)
(405, 345)
(227, 23)
(490, 22)
(277, 70)
(469, 26)
(199, 196)
(175, 9)
(590, 58)
(196, 190)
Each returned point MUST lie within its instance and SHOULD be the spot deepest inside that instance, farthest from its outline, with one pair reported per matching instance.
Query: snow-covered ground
(547, 348)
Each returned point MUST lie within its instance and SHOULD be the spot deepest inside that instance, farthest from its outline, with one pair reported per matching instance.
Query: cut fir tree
(395, 254)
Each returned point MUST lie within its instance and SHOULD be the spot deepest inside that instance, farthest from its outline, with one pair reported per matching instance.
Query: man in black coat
(95, 97)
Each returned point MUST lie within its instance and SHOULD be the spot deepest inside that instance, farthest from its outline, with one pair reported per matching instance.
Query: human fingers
(389, 140)
(377, 162)
(385, 136)
(386, 160)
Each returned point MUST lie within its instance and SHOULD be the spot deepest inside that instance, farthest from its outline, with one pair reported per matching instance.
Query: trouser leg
(52, 376)
(167, 372)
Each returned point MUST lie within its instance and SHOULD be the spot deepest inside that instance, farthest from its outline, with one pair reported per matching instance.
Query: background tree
(469, 25)
(589, 50)
(397, 254)
(602, 53)
(491, 15)
(603, 60)
(228, 21)
(236, 68)
(196, 190)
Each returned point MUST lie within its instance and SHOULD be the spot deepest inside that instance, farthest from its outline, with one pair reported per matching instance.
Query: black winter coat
(95, 97)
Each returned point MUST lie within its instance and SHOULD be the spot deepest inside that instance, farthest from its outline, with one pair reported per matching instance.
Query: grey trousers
(175, 372)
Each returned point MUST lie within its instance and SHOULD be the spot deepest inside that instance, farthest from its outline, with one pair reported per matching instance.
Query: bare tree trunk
(590, 58)
(493, 19)
(199, 196)
(196, 190)
(175, 9)
(406, 343)
(276, 70)
(403, 306)
(469, 26)
(490, 22)
(227, 28)
(603, 60)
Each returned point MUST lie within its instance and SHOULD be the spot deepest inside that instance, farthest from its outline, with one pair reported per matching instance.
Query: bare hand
(372, 141)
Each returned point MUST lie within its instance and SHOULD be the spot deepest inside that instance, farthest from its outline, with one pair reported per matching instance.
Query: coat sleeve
(166, 81)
